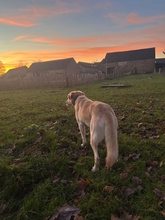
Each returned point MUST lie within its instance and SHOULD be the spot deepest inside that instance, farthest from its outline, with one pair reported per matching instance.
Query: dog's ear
(75, 95)
(72, 95)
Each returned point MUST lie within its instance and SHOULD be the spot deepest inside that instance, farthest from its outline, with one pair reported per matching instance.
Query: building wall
(88, 68)
(16, 73)
(130, 67)
(71, 71)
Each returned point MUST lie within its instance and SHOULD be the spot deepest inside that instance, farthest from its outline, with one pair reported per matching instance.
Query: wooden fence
(49, 81)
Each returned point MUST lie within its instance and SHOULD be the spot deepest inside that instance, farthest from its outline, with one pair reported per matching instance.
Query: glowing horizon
(27, 61)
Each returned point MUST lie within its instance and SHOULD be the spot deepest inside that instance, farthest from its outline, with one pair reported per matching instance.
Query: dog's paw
(83, 144)
(95, 169)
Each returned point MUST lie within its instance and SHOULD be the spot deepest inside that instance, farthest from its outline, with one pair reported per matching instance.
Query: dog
(101, 120)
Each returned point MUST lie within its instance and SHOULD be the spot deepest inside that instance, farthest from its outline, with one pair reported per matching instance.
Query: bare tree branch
(21, 63)
(2, 68)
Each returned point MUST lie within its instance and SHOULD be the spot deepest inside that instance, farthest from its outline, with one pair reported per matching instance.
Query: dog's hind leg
(94, 145)
(83, 133)
(96, 136)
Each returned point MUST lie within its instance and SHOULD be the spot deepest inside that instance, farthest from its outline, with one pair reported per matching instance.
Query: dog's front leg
(83, 133)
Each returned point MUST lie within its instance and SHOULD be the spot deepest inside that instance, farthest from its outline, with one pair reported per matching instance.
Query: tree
(37, 60)
(21, 63)
(2, 68)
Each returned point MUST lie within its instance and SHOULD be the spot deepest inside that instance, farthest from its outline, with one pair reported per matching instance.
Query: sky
(38, 30)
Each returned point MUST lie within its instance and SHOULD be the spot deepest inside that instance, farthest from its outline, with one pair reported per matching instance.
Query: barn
(160, 65)
(16, 73)
(87, 67)
(56, 71)
(130, 62)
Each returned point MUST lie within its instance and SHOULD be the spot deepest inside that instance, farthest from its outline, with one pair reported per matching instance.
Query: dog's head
(72, 96)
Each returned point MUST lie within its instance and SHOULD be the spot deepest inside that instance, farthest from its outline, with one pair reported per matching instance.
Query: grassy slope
(43, 167)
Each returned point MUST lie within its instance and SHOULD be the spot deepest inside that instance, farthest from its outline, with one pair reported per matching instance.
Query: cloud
(27, 17)
(133, 18)
(17, 22)
(20, 37)
(59, 41)
(59, 9)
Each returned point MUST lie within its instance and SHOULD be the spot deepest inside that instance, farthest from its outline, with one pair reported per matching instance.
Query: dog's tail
(111, 142)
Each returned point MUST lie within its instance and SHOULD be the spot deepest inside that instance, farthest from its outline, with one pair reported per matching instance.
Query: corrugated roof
(132, 55)
(50, 65)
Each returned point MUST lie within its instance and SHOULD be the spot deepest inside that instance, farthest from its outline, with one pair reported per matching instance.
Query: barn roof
(132, 55)
(50, 65)
(85, 64)
(17, 70)
(160, 61)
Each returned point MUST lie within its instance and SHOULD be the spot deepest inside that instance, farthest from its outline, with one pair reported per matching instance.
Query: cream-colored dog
(102, 121)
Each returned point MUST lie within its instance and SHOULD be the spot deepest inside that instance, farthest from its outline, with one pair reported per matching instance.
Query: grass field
(43, 167)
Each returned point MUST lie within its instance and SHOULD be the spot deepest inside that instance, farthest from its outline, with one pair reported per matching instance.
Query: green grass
(42, 162)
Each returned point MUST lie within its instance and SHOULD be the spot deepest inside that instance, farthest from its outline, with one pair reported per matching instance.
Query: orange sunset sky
(39, 30)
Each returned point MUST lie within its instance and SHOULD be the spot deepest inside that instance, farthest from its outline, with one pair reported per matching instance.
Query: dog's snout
(67, 102)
